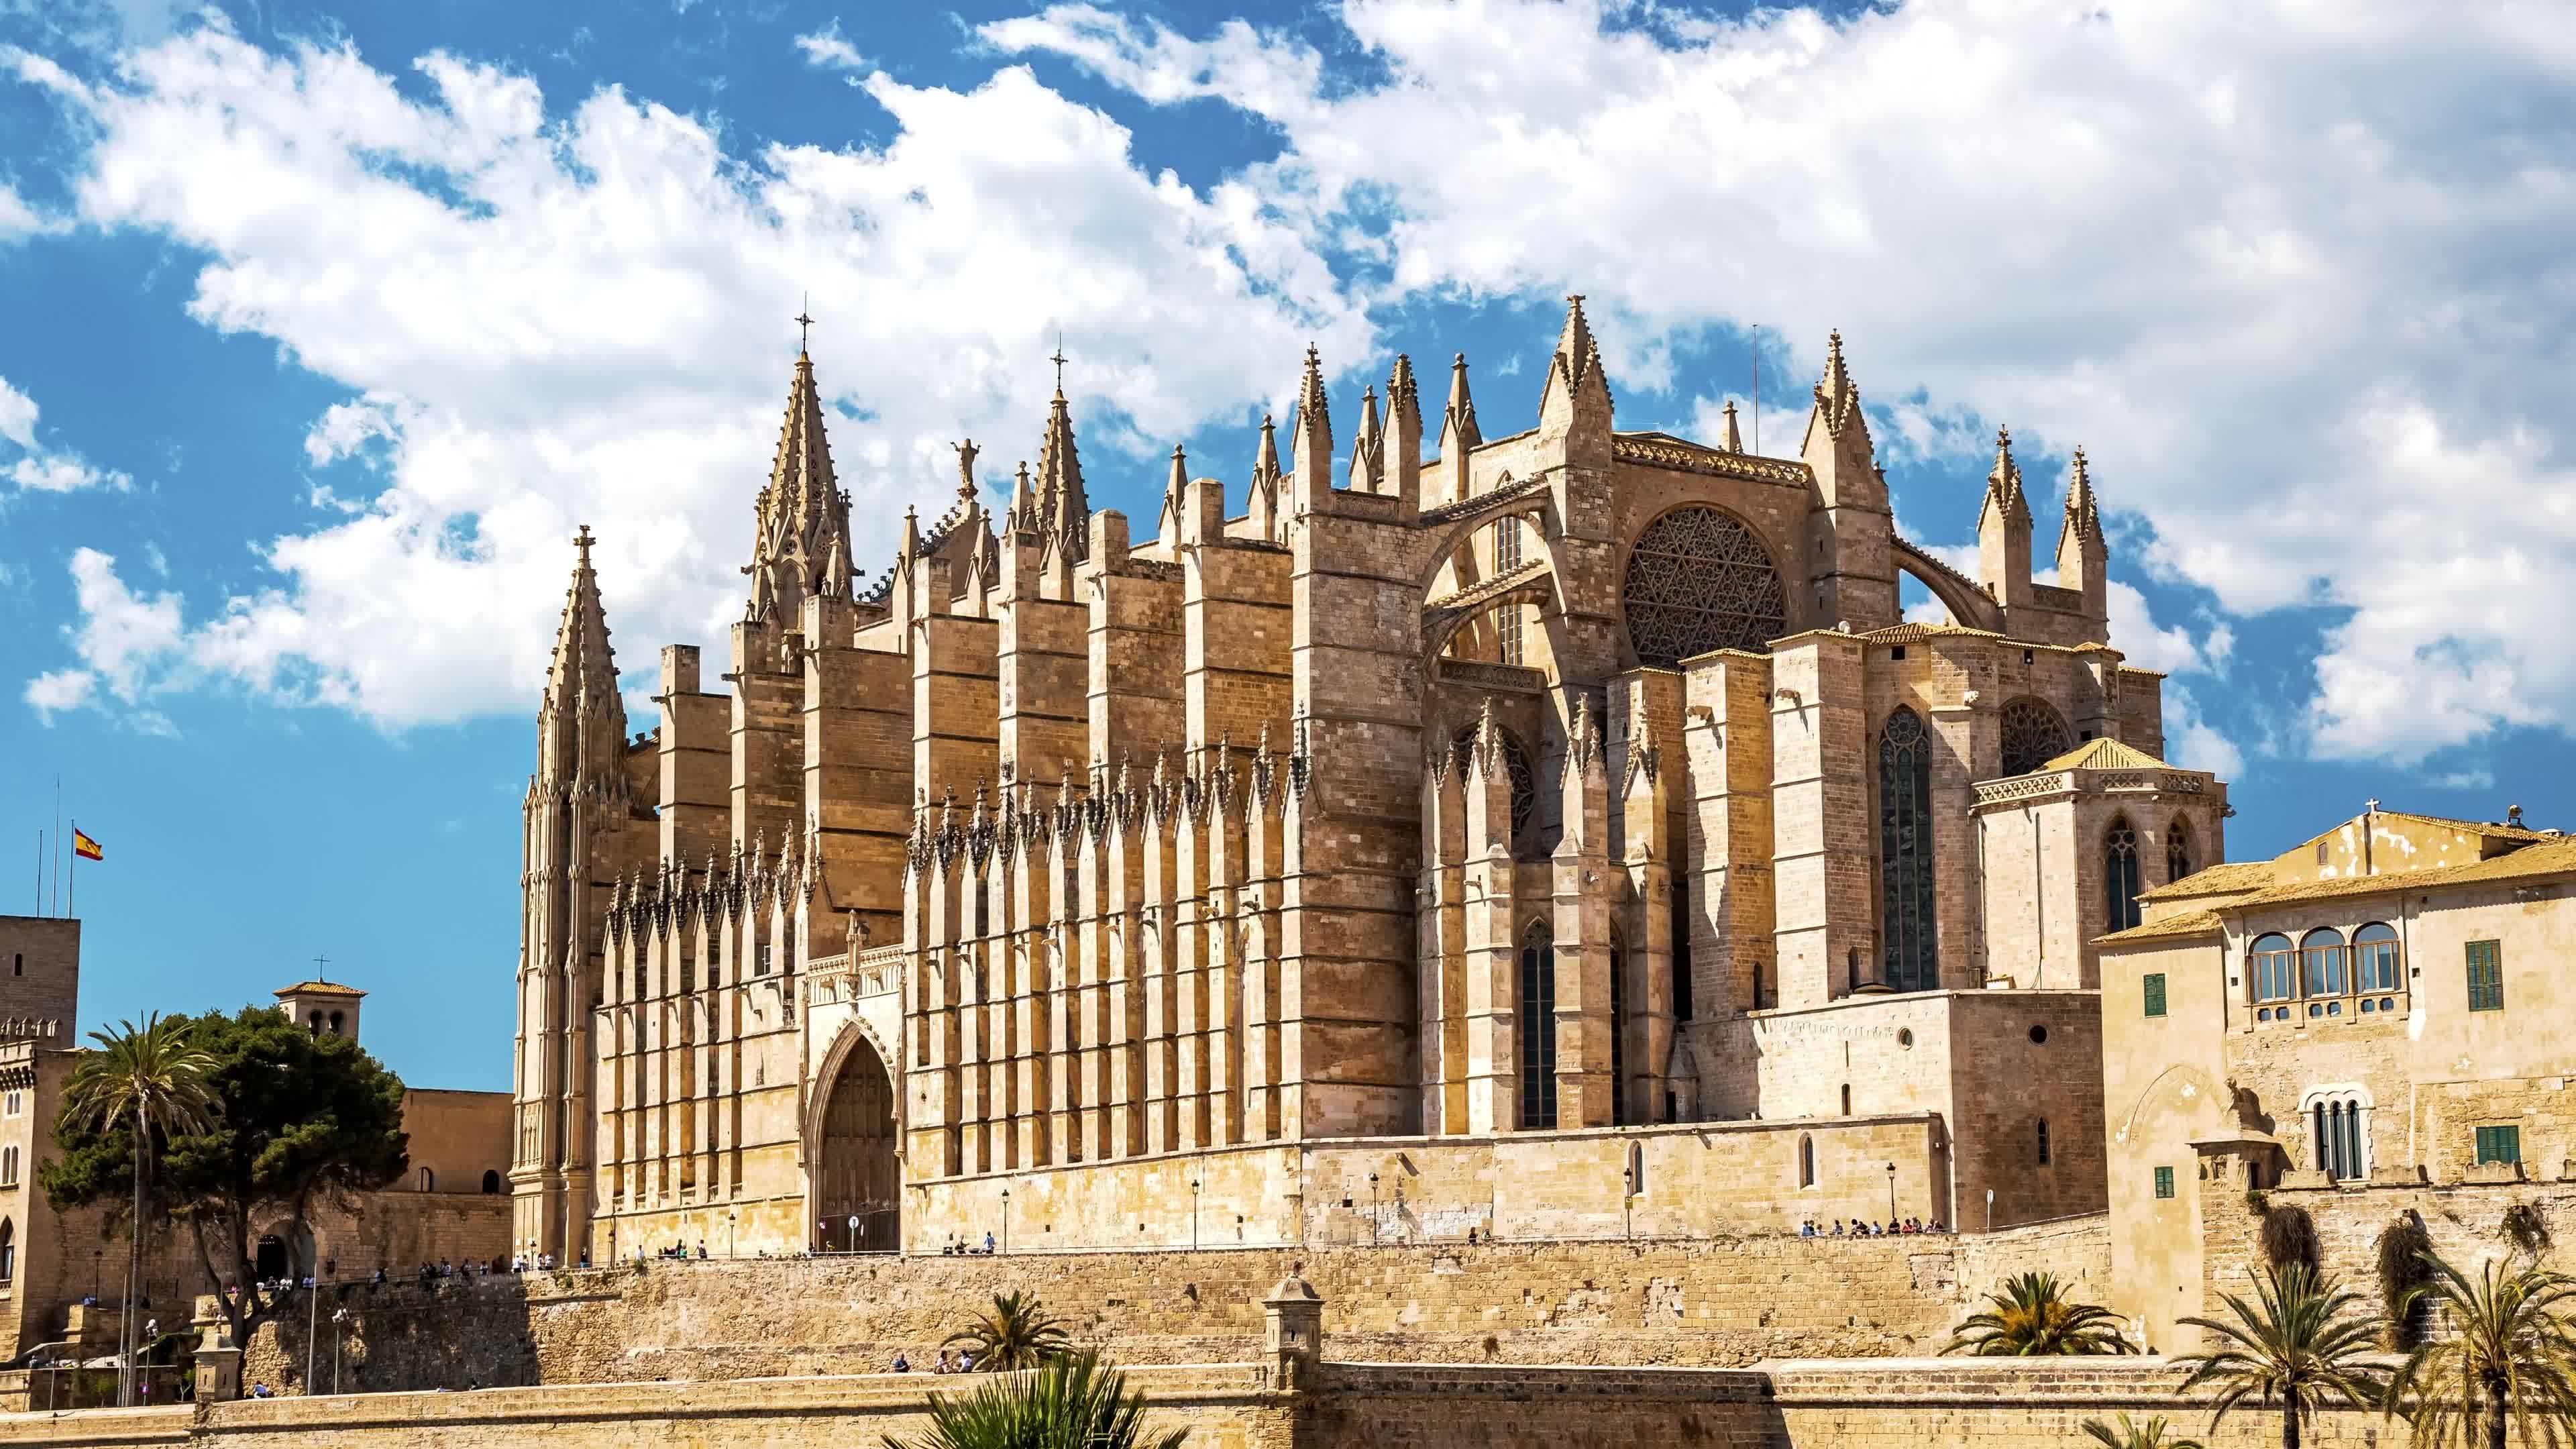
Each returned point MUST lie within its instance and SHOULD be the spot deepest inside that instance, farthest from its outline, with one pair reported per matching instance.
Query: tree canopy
(306, 1120)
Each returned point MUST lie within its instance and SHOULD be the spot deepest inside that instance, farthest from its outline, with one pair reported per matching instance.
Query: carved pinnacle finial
(582, 541)
(804, 323)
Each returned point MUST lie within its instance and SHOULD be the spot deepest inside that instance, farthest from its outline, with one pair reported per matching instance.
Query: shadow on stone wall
(452, 1333)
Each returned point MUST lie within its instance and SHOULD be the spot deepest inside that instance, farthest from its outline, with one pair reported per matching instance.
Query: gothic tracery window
(1699, 580)
(2120, 884)
(2034, 734)
(2177, 850)
(1907, 930)
(1526, 841)
(1538, 1028)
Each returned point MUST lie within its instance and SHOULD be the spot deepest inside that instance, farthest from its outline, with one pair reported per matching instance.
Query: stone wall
(1939, 1404)
(1702, 1302)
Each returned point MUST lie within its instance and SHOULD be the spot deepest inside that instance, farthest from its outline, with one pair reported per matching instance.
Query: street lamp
(1194, 1214)
(854, 1232)
(312, 1313)
(1891, 1194)
(1373, 1214)
(729, 1234)
(1006, 1220)
(339, 1336)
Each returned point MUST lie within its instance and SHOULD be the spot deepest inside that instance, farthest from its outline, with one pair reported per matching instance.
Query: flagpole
(72, 896)
(58, 844)
(40, 870)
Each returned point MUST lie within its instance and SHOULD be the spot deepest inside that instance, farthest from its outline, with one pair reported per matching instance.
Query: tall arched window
(2271, 964)
(2046, 1152)
(491, 1182)
(1682, 951)
(8, 1167)
(1618, 1032)
(2120, 884)
(2375, 962)
(1538, 1028)
(1806, 1160)
(428, 1180)
(2321, 970)
(1906, 920)
(2177, 850)
(8, 1251)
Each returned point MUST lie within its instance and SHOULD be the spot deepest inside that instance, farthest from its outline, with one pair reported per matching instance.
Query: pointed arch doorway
(857, 1182)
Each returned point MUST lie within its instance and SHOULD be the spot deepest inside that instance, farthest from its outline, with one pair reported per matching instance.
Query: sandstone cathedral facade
(1558, 835)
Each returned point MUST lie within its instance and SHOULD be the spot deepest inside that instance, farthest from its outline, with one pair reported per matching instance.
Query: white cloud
(17, 218)
(827, 48)
(39, 469)
(2193, 743)
(127, 645)
(2295, 274)
(576, 317)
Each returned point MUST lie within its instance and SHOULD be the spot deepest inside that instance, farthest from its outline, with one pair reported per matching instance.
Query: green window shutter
(2155, 987)
(2486, 976)
(2164, 1182)
(2499, 1144)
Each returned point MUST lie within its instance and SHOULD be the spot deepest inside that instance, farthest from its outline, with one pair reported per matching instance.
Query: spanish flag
(84, 847)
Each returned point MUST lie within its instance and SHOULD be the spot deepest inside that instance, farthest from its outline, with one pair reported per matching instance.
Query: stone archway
(855, 1171)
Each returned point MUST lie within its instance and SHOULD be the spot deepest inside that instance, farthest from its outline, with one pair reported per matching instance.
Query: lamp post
(854, 1232)
(312, 1313)
(1372, 1209)
(1006, 1220)
(1891, 1194)
(1628, 1201)
(729, 1235)
(1990, 1209)
(339, 1337)
(1194, 1214)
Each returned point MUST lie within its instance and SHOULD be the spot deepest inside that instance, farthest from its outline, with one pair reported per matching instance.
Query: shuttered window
(2155, 991)
(2486, 976)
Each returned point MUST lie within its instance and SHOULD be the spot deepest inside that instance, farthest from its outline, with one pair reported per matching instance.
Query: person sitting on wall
(901, 1364)
(1838, 1228)
(259, 1391)
(946, 1364)
(988, 1244)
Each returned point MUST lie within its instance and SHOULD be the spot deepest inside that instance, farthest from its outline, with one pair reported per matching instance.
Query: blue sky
(321, 328)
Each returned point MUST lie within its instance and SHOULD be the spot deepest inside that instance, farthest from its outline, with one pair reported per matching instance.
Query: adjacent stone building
(2378, 1006)
(452, 1203)
(1542, 834)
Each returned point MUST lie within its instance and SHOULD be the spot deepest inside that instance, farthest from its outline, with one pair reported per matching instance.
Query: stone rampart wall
(1882, 1404)
(1701, 1301)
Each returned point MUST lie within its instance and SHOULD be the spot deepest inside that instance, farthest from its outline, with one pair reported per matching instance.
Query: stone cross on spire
(804, 323)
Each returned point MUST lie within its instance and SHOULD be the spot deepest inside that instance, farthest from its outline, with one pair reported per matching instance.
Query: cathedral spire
(1458, 422)
(2004, 492)
(2083, 555)
(2083, 517)
(1312, 466)
(1063, 507)
(1167, 526)
(1024, 501)
(1263, 506)
(802, 513)
(1368, 450)
(582, 723)
(1733, 441)
(1575, 370)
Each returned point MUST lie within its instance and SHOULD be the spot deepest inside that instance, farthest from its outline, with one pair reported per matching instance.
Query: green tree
(148, 1083)
(306, 1120)
(1072, 1401)
(1017, 1334)
(2031, 1315)
(2507, 1359)
(2149, 1435)
(2298, 1344)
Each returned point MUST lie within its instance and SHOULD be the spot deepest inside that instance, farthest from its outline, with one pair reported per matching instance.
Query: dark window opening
(1906, 905)
(1538, 1029)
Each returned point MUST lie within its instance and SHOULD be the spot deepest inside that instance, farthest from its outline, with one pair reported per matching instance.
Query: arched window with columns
(2177, 850)
(2338, 1120)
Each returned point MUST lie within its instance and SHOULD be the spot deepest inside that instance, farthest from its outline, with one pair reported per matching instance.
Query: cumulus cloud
(17, 218)
(2296, 275)
(554, 315)
(828, 48)
(37, 468)
(126, 643)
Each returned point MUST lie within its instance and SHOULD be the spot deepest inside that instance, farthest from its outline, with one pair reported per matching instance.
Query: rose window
(1699, 580)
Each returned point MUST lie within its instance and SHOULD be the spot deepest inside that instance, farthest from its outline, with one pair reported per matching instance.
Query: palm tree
(2508, 1357)
(2149, 1435)
(1017, 1334)
(2031, 1316)
(2298, 1344)
(153, 1079)
(1069, 1402)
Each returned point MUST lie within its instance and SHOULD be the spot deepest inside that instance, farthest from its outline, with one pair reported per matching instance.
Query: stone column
(218, 1360)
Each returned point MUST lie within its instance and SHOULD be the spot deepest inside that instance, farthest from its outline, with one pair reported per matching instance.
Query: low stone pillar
(219, 1369)
(1293, 1335)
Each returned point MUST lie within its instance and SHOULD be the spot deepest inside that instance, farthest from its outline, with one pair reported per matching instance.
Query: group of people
(1864, 1228)
(955, 1248)
(961, 1362)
